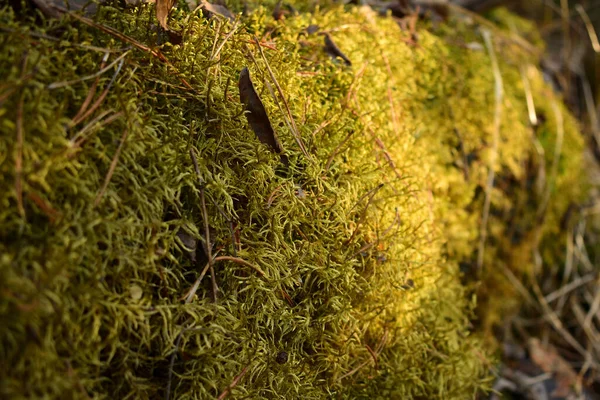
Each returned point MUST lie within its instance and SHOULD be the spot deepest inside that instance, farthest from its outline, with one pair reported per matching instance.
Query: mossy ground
(360, 239)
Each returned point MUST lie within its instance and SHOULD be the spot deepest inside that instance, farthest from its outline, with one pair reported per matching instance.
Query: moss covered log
(151, 246)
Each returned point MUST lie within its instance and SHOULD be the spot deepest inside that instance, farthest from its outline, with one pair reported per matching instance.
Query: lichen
(358, 242)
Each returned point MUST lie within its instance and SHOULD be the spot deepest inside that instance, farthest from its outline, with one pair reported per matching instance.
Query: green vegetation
(346, 260)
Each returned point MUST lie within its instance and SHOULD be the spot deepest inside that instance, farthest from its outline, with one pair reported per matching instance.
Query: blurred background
(551, 348)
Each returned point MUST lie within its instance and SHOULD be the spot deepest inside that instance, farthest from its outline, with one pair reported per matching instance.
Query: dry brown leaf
(257, 115)
(211, 10)
(548, 359)
(163, 7)
(334, 51)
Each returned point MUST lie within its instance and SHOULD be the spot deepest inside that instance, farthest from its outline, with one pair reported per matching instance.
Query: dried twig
(571, 286)
(92, 91)
(233, 384)
(240, 261)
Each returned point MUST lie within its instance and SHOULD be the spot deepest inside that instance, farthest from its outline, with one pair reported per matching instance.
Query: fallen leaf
(278, 13)
(163, 7)
(215, 9)
(334, 51)
(189, 244)
(257, 115)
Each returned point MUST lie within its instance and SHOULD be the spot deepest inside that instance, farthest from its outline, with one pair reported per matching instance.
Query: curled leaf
(163, 7)
(211, 10)
(189, 244)
(334, 51)
(257, 115)
(278, 12)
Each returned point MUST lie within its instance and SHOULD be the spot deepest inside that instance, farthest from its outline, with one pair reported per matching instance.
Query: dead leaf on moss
(548, 359)
(189, 243)
(333, 50)
(257, 115)
(215, 9)
(278, 12)
(163, 8)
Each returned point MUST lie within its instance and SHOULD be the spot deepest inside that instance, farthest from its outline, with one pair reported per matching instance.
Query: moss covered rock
(128, 162)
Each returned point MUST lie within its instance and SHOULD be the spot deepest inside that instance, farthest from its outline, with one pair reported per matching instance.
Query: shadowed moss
(359, 241)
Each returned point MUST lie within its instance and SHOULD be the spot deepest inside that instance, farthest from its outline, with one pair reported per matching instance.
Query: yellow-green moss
(365, 234)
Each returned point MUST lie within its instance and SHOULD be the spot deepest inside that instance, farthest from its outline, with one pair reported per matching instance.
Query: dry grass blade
(91, 92)
(373, 357)
(498, 96)
(190, 294)
(57, 85)
(528, 96)
(566, 289)
(589, 27)
(208, 249)
(593, 309)
(257, 115)
(291, 121)
(233, 384)
(192, 291)
(112, 167)
(592, 111)
(227, 37)
(551, 316)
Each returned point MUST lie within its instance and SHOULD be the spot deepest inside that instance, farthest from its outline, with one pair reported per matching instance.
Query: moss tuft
(347, 260)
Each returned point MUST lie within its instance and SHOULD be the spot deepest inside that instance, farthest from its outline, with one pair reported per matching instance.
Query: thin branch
(233, 384)
(589, 27)
(240, 261)
(213, 278)
(58, 85)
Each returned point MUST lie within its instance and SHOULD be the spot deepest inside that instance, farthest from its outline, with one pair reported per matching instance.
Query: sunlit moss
(360, 241)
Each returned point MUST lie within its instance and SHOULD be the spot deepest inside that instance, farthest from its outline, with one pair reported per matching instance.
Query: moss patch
(358, 242)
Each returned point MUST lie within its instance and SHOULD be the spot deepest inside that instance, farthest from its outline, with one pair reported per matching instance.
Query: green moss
(360, 241)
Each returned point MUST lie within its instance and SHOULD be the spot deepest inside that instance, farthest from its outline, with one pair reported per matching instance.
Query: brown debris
(163, 8)
(333, 50)
(212, 10)
(257, 115)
